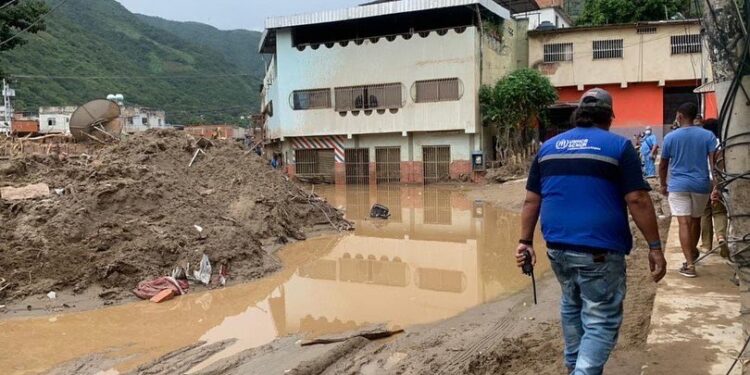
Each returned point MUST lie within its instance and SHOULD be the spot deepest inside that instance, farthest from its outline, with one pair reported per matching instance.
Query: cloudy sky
(231, 14)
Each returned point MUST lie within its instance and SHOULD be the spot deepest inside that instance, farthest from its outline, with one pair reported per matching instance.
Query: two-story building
(388, 91)
(56, 120)
(650, 69)
(138, 119)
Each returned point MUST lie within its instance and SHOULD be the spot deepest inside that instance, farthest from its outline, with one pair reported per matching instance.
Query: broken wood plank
(372, 333)
(25, 192)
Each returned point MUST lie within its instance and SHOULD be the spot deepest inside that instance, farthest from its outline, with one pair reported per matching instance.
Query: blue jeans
(649, 166)
(593, 290)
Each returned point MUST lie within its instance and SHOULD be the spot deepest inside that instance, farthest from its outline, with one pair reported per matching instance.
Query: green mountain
(239, 47)
(92, 48)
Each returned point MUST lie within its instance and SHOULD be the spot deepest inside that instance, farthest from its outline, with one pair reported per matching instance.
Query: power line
(128, 77)
(40, 19)
(8, 4)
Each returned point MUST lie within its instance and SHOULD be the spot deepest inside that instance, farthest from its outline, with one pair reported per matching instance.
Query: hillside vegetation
(92, 48)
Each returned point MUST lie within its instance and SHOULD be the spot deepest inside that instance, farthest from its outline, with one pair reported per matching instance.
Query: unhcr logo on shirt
(573, 144)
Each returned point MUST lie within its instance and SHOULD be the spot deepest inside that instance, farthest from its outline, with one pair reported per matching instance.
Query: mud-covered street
(440, 268)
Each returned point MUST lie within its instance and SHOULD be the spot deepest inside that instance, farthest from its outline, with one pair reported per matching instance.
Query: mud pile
(133, 210)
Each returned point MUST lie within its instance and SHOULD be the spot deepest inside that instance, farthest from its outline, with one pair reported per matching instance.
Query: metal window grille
(558, 52)
(690, 43)
(441, 280)
(436, 161)
(437, 90)
(388, 165)
(315, 164)
(390, 196)
(646, 30)
(311, 99)
(381, 96)
(357, 163)
(437, 206)
(608, 49)
(358, 202)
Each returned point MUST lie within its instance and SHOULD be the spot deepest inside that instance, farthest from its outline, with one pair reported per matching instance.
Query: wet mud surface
(438, 255)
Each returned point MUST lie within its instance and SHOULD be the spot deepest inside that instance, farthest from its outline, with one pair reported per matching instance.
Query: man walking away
(714, 218)
(582, 182)
(687, 153)
(649, 149)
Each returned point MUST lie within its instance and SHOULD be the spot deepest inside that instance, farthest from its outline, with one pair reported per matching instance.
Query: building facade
(386, 92)
(56, 120)
(549, 17)
(649, 68)
(139, 119)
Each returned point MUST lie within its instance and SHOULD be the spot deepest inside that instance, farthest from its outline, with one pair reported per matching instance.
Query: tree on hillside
(513, 105)
(602, 12)
(17, 16)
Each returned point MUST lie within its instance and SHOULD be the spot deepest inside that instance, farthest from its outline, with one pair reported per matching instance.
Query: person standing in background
(714, 219)
(649, 149)
(687, 153)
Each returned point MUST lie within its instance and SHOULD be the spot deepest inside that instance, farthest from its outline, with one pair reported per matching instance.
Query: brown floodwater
(438, 255)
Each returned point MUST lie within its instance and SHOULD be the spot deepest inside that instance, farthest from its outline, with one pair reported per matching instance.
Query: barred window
(437, 90)
(646, 30)
(558, 52)
(311, 99)
(608, 49)
(690, 43)
(380, 96)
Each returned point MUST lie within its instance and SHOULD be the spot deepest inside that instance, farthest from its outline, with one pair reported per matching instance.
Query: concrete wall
(406, 61)
(646, 57)
(536, 17)
(60, 117)
(502, 57)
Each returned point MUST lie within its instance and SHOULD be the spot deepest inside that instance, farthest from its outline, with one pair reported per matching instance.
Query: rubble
(128, 214)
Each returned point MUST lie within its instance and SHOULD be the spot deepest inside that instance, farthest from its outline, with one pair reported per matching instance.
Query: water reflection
(438, 255)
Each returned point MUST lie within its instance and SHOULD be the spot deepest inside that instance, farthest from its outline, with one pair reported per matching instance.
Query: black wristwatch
(526, 242)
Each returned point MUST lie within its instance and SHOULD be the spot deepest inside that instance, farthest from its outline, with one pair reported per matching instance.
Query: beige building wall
(406, 61)
(646, 57)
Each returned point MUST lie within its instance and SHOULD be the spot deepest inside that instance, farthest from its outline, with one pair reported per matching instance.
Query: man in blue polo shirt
(582, 183)
(686, 179)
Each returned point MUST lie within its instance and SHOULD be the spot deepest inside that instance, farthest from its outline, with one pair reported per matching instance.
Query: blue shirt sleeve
(666, 148)
(713, 143)
(534, 183)
(631, 175)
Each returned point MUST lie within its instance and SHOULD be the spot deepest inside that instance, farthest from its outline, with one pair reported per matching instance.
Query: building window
(437, 90)
(51, 122)
(646, 30)
(382, 96)
(144, 120)
(690, 43)
(558, 52)
(608, 49)
(311, 99)
(160, 122)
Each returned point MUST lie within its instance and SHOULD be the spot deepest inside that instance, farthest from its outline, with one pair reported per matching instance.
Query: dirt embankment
(133, 211)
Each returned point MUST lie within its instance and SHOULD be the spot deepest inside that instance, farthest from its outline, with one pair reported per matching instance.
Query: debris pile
(135, 210)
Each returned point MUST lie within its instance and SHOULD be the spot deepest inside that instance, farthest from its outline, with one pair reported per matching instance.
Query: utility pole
(7, 114)
(726, 33)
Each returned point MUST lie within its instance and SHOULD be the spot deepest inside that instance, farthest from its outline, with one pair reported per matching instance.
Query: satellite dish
(97, 120)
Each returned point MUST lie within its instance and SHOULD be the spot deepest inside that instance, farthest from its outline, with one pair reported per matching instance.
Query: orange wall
(638, 105)
(712, 107)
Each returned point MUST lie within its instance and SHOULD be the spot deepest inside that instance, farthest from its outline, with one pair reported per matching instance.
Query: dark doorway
(674, 97)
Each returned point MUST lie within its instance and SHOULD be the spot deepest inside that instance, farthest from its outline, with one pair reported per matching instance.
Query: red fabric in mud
(149, 288)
